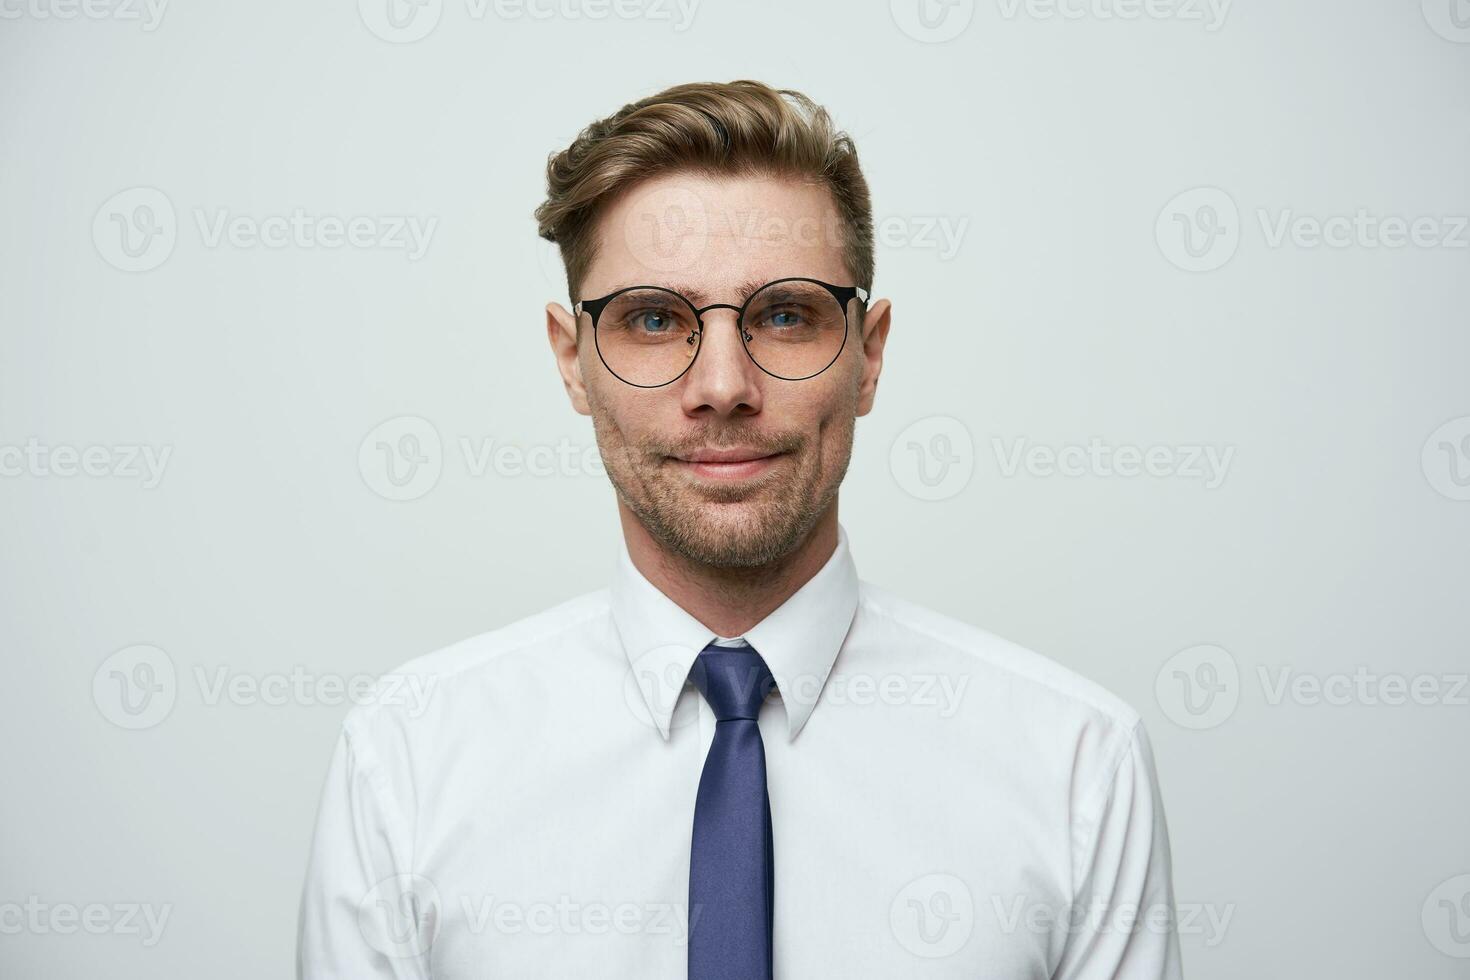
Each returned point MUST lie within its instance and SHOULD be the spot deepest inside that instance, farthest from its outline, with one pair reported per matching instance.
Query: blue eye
(653, 321)
(778, 321)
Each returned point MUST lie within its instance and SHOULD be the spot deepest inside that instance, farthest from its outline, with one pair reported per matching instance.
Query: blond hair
(740, 128)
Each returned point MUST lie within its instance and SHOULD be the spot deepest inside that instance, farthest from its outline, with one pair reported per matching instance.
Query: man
(739, 760)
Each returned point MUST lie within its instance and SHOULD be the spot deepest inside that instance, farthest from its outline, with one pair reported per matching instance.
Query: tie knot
(733, 680)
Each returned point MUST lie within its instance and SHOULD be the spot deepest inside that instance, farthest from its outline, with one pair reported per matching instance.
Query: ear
(561, 330)
(874, 336)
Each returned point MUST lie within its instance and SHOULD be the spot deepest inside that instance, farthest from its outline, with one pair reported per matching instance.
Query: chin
(744, 534)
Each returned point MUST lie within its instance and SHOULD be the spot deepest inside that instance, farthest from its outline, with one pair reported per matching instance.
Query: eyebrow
(698, 296)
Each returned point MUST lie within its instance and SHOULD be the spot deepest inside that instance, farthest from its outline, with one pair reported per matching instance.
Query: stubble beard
(753, 525)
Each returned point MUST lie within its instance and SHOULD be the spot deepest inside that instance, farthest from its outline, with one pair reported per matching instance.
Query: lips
(724, 455)
(727, 464)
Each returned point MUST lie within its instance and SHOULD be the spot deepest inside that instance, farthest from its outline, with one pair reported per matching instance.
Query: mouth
(726, 464)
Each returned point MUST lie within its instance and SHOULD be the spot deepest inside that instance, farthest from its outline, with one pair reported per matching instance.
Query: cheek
(837, 419)
(618, 416)
(825, 417)
(837, 400)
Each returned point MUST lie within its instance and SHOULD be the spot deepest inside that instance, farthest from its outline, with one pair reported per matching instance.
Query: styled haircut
(736, 129)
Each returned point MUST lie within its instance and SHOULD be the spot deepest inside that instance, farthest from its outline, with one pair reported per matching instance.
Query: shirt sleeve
(1122, 925)
(363, 915)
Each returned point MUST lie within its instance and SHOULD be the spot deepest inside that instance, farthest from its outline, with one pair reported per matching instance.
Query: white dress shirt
(945, 803)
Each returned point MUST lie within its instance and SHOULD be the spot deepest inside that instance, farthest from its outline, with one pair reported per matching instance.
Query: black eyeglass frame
(843, 294)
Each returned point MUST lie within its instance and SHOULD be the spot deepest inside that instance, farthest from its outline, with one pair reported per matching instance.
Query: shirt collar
(799, 640)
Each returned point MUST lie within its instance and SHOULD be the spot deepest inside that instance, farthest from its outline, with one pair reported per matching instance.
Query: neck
(729, 600)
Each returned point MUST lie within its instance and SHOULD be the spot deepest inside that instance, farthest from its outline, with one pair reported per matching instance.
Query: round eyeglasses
(792, 328)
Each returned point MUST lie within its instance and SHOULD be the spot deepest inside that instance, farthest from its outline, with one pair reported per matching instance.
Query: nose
(723, 378)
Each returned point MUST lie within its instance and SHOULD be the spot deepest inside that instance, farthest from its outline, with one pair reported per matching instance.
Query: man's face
(706, 238)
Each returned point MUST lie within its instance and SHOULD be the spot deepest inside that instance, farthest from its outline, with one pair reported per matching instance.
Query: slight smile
(727, 464)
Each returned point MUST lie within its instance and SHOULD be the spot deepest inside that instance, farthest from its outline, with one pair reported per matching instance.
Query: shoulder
(428, 686)
(1068, 731)
(1053, 729)
(941, 640)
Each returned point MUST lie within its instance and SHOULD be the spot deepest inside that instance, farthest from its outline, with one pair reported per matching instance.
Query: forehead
(716, 239)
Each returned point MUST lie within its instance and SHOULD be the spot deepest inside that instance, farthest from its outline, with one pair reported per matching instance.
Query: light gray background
(1051, 144)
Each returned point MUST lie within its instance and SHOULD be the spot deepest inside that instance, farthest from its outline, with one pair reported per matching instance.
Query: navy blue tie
(731, 860)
